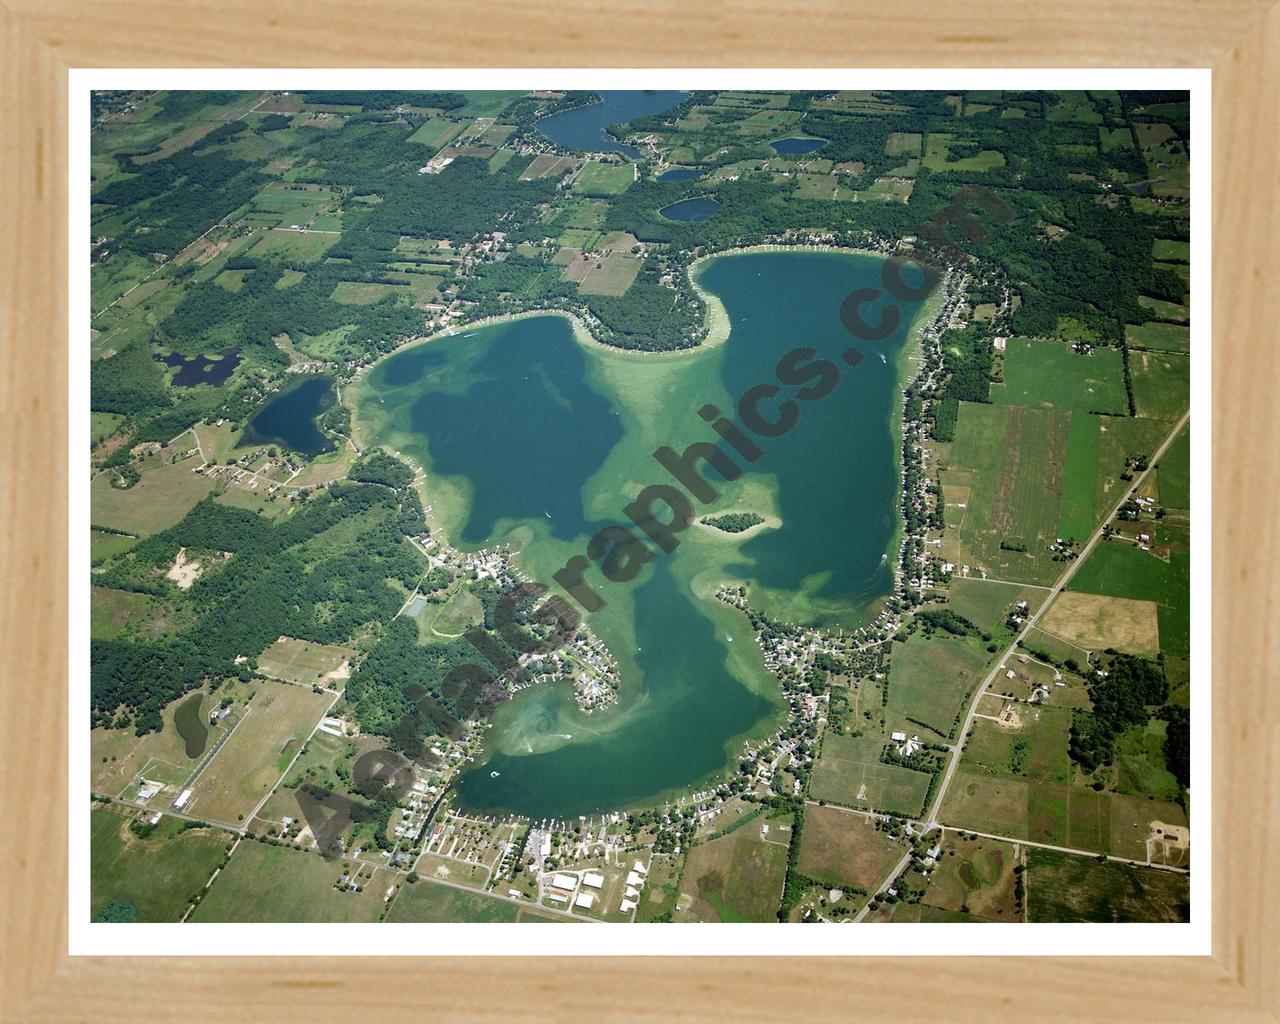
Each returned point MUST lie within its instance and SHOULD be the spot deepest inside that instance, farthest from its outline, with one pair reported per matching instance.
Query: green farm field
(1173, 474)
(601, 179)
(987, 603)
(275, 883)
(1160, 336)
(160, 499)
(158, 874)
(1123, 570)
(1049, 375)
(974, 876)
(929, 681)
(1161, 384)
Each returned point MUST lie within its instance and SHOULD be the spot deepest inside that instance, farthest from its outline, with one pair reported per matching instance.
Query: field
(1170, 251)
(161, 498)
(431, 902)
(1037, 749)
(1161, 384)
(1158, 335)
(937, 156)
(303, 246)
(548, 165)
(974, 877)
(1096, 622)
(986, 604)
(902, 144)
(601, 179)
(364, 293)
(1049, 375)
(112, 612)
(1115, 138)
(159, 874)
(1173, 473)
(849, 772)
(929, 681)
(846, 849)
(248, 764)
(611, 274)
(452, 618)
(436, 132)
(1061, 887)
(1015, 488)
(278, 884)
(1174, 311)
(300, 661)
(1123, 570)
(103, 424)
(735, 878)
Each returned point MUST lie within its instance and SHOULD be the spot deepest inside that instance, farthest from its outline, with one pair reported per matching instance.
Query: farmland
(494, 310)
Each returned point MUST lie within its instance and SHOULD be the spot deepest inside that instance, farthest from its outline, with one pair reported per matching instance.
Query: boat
(882, 358)
(494, 775)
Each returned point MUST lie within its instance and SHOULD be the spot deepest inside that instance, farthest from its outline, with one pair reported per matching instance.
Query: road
(931, 821)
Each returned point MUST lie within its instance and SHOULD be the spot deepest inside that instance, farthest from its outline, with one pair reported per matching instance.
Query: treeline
(734, 522)
(381, 99)
(283, 579)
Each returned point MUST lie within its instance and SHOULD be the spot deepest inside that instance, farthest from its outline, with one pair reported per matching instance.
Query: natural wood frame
(41, 39)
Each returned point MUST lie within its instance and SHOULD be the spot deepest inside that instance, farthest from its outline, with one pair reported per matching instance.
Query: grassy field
(1096, 622)
(161, 498)
(929, 680)
(1122, 570)
(300, 661)
(736, 878)
(1061, 887)
(1173, 311)
(452, 618)
(1167, 250)
(103, 424)
(1014, 461)
(159, 874)
(987, 604)
(426, 901)
(248, 764)
(1161, 384)
(1049, 375)
(974, 877)
(611, 274)
(1037, 749)
(601, 179)
(903, 144)
(1115, 138)
(1173, 474)
(937, 156)
(305, 247)
(364, 293)
(849, 772)
(436, 132)
(278, 884)
(113, 612)
(1157, 335)
(845, 848)
(107, 545)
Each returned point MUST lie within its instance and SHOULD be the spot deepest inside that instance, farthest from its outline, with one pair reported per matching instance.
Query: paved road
(931, 821)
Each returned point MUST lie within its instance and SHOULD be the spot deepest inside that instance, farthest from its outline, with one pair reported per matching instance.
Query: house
(635, 879)
(898, 737)
(626, 906)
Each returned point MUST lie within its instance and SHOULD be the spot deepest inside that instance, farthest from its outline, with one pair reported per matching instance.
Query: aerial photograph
(639, 507)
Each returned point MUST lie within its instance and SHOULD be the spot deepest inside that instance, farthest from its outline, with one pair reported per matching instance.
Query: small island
(733, 522)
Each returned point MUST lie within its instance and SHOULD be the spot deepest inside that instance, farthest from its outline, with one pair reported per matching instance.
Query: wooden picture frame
(42, 39)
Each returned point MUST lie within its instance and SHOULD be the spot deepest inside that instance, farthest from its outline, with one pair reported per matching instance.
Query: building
(585, 900)
(563, 881)
(593, 879)
(181, 802)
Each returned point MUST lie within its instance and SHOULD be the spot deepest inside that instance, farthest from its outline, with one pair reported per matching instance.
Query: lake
(792, 147)
(531, 437)
(201, 369)
(191, 725)
(680, 174)
(583, 128)
(289, 419)
(691, 210)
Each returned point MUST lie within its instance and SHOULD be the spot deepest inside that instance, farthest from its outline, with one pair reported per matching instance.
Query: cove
(201, 369)
(533, 436)
(583, 128)
(680, 174)
(289, 419)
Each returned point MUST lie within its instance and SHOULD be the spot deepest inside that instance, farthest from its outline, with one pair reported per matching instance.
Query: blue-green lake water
(289, 419)
(583, 128)
(541, 440)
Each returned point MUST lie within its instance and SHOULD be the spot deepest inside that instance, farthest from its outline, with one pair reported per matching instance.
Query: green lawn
(929, 680)
(426, 901)
(1165, 310)
(1173, 473)
(1171, 251)
(1062, 887)
(848, 773)
(436, 132)
(987, 604)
